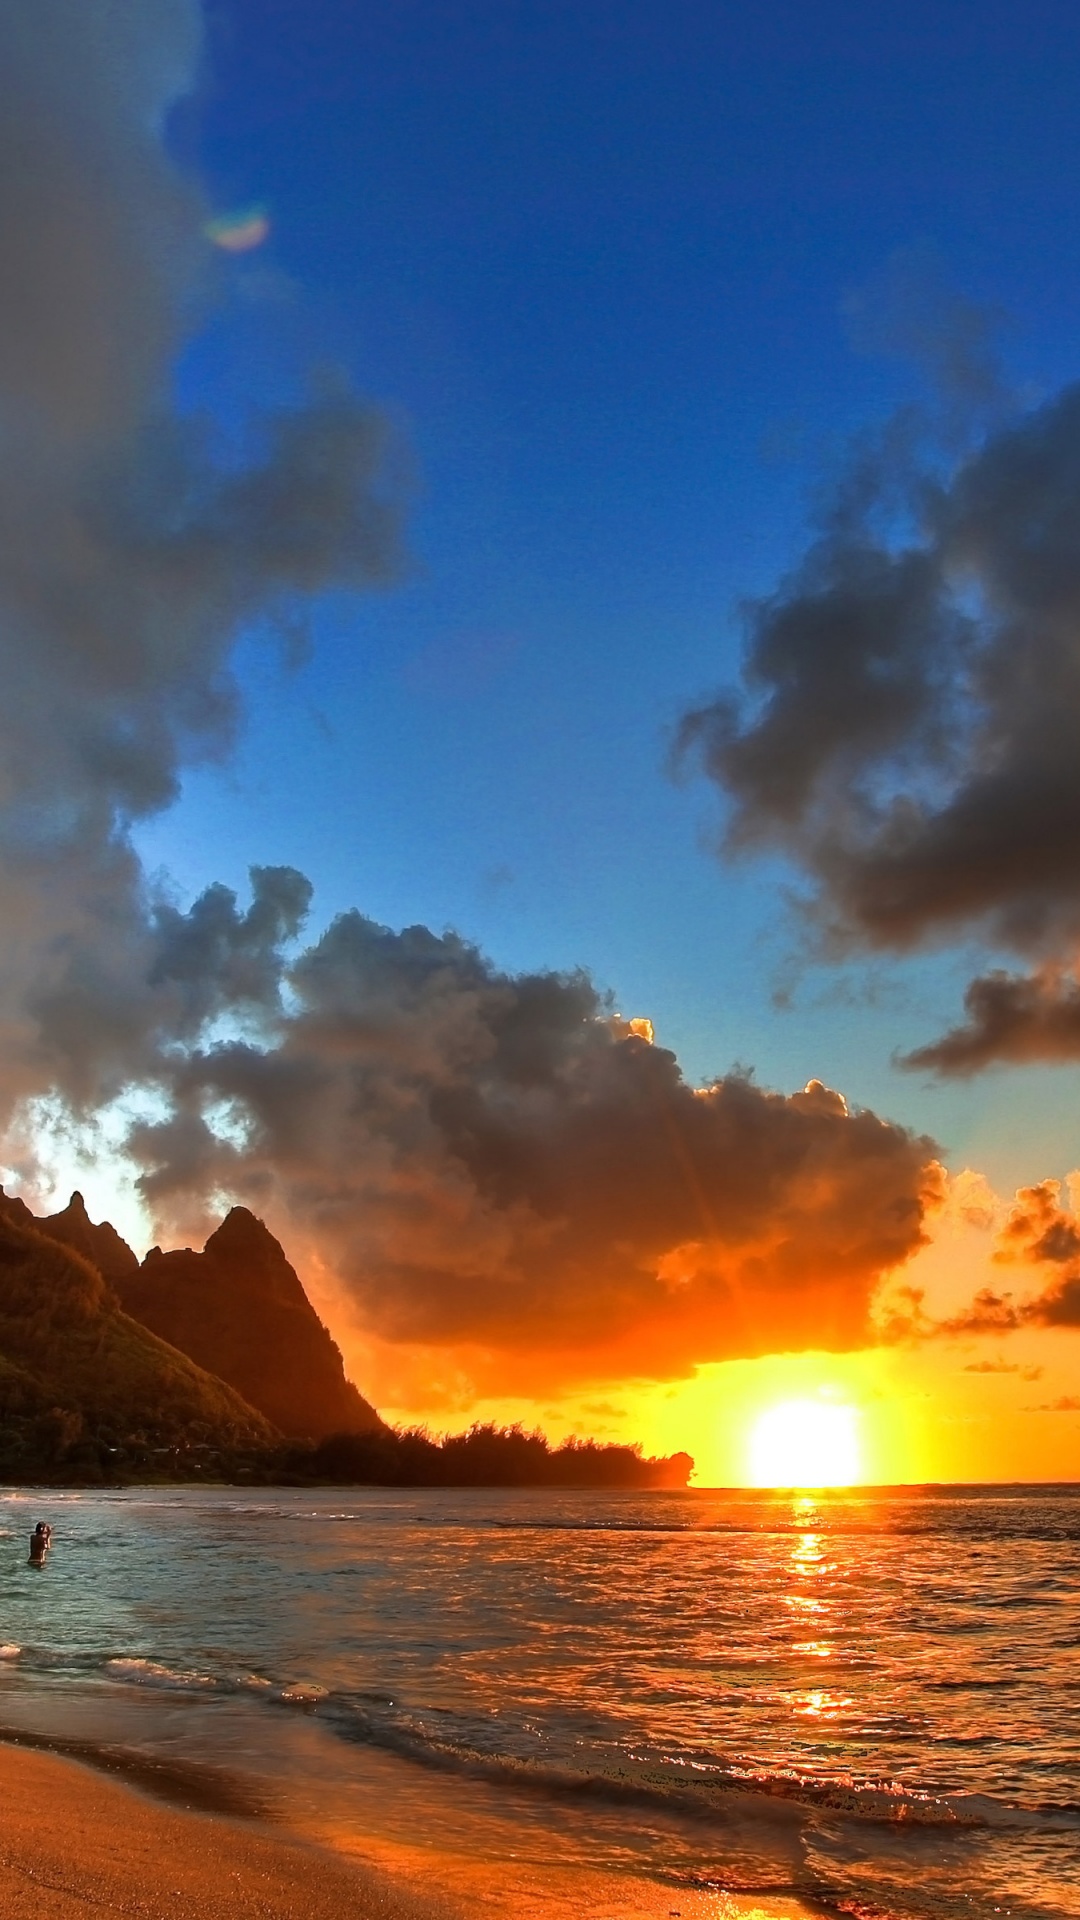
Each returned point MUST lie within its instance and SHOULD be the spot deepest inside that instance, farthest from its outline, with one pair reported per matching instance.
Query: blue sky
(597, 262)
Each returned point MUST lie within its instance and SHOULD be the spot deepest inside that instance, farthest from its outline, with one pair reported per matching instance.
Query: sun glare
(805, 1443)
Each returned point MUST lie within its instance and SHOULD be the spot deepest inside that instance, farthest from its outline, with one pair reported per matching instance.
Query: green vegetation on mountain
(87, 1393)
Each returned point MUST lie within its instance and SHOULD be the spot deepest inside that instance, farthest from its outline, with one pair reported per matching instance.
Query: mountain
(102, 1245)
(214, 1361)
(85, 1390)
(239, 1310)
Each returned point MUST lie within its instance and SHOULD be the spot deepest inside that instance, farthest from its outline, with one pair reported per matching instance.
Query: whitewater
(865, 1702)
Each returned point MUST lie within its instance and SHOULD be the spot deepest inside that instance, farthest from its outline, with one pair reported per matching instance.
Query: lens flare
(239, 231)
(805, 1443)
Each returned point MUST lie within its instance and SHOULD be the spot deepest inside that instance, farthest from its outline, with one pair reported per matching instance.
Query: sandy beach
(74, 1844)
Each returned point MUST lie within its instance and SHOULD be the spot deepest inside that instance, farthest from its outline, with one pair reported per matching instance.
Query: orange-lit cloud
(1034, 1231)
(1038, 1232)
(501, 1163)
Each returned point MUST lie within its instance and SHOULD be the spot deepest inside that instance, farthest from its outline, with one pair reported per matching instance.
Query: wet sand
(74, 1845)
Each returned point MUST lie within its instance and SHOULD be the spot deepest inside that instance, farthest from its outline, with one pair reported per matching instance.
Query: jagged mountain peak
(98, 1243)
(83, 1387)
(240, 1310)
(242, 1228)
(16, 1210)
(245, 1245)
(237, 1309)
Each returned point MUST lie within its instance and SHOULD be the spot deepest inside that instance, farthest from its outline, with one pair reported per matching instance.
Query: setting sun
(805, 1443)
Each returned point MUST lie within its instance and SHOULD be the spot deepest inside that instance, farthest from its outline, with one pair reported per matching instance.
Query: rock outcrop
(239, 1310)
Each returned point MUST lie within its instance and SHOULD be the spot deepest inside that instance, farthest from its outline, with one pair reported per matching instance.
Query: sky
(540, 588)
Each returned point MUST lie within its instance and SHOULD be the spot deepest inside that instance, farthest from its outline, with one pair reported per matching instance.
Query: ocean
(530, 1703)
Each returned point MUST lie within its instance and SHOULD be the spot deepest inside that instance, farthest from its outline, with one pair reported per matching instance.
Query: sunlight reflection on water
(627, 1685)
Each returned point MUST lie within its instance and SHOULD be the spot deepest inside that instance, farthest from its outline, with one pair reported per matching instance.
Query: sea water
(662, 1703)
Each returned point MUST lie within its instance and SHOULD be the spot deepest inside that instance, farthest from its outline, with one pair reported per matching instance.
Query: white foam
(153, 1673)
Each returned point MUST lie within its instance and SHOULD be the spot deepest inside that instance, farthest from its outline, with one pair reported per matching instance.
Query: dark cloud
(106, 1014)
(502, 1161)
(988, 1312)
(1015, 1018)
(1039, 1230)
(133, 548)
(99, 234)
(908, 724)
(906, 727)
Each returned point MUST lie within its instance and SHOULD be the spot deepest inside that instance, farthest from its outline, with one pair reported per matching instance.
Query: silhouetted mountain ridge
(239, 1309)
(101, 1245)
(85, 1391)
(217, 1362)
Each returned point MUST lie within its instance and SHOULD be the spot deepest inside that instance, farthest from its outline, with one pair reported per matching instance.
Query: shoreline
(75, 1841)
(185, 1785)
(91, 1828)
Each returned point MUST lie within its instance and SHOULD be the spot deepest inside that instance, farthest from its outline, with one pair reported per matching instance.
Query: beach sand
(74, 1845)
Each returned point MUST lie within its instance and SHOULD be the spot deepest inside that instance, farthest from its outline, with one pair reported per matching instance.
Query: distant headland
(207, 1366)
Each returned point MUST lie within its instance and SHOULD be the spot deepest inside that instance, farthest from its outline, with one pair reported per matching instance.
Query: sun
(805, 1443)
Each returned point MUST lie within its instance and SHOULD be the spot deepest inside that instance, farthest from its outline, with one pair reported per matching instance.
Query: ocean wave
(701, 1789)
(696, 1789)
(156, 1674)
(697, 1786)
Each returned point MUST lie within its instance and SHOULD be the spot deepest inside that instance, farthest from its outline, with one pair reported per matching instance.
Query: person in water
(40, 1542)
